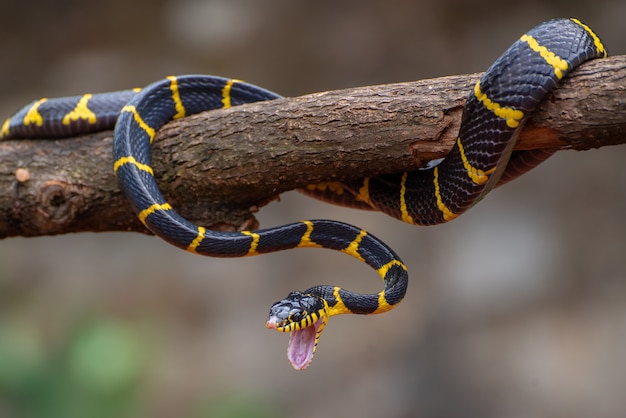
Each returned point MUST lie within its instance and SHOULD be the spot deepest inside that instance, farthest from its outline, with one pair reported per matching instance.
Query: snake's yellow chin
(302, 345)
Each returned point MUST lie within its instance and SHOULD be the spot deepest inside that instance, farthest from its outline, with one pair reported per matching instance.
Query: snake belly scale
(495, 112)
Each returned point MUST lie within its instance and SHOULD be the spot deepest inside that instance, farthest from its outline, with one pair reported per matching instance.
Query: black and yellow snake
(482, 158)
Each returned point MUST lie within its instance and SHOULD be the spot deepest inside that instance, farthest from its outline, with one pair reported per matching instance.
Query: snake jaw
(304, 316)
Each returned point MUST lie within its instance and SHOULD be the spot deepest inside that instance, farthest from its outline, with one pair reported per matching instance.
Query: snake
(481, 159)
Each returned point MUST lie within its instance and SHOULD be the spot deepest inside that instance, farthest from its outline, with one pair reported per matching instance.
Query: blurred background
(516, 309)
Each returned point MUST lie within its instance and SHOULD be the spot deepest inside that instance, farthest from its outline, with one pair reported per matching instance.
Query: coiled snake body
(481, 159)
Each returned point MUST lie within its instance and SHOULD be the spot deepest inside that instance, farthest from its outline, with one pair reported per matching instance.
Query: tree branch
(216, 168)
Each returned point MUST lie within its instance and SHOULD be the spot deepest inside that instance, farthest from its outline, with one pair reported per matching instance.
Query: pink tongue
(302, 346)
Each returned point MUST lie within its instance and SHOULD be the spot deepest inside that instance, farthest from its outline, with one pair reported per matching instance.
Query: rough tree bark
(216, 168)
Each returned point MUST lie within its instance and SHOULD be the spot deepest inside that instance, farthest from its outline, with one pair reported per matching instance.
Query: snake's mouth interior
(302, 342)
(302, 345)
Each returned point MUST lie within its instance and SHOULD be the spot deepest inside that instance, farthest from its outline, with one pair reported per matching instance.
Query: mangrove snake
(481, 159)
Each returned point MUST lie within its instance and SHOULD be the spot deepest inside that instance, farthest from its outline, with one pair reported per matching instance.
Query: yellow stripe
(558, 63)
(448, 215)
(33, 116)
(197, 240)
(305, 241)
(403, 207)
(312, 318)
(383, 305)
(477, 175)
(255, 242)
(81, 111)
(364, 192)
(512, 116)
(149, 131)
(339, 307)
(290, 327)
(596, 40)
(4, 132)
(149, 211)
(332, 186)
(353, 248)
(131, 160)
(180, 109)
(382, 271)
(226, 92)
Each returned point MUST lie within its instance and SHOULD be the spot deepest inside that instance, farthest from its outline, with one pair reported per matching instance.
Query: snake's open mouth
(302, 345)
(302, 342)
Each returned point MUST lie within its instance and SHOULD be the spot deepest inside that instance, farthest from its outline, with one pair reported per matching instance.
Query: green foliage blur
(98, 371)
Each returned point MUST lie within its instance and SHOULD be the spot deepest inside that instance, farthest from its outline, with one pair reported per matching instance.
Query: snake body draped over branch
(481, 159)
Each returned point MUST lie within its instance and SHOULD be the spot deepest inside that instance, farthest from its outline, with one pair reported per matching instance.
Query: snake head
(304, 316)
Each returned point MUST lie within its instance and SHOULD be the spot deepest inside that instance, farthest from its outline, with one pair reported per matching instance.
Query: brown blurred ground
(517, 309)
